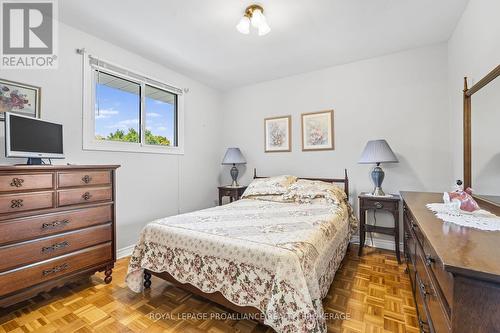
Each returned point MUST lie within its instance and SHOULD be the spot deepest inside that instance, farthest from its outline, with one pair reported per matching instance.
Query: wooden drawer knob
(17, 182)
(86, 196)
(16, 203)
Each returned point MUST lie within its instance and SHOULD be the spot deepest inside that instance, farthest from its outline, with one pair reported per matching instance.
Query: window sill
(132, 148)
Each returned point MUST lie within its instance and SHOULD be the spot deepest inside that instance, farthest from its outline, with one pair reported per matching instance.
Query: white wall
(399, 97)
(412, 99)
(473, 51)
(148, 185)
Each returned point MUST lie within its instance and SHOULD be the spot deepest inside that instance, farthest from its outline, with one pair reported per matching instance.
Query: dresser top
(52, 167)
(463, 250)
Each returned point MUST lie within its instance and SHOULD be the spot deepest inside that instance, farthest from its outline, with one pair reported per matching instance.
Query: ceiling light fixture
(254, 15)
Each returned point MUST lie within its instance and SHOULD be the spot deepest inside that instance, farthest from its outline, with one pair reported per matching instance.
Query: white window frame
(89, 94)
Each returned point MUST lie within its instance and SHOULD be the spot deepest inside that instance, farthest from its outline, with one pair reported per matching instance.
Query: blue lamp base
(234, 175)
(377, 178)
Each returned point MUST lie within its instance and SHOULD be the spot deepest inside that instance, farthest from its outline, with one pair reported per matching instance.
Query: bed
(268, 258)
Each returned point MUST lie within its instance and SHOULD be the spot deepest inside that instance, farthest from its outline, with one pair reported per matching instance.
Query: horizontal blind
(99, 64)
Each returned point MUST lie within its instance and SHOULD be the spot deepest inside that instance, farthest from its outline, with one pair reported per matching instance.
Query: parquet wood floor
(373, 291)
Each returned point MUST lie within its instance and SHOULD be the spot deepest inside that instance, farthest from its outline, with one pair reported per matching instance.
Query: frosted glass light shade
(264, 28)
(257, 18)
(244, 25)
(377, 151)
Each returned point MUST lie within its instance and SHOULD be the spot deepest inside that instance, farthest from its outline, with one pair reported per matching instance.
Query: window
(117, 108)
(128, 112)
(161, 117)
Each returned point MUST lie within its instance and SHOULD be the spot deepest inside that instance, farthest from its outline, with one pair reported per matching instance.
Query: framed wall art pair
(316, 127)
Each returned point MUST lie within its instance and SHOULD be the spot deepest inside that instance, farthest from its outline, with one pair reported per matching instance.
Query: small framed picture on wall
(277, 134)
(19, 98)
(317, 131)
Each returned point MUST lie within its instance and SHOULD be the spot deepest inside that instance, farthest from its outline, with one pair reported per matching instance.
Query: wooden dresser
(455, 271)
(56, 223)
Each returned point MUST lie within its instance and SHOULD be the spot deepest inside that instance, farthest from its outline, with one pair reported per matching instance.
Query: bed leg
(147, 279)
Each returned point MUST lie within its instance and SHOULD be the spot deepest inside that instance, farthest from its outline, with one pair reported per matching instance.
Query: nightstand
(389, 204)
(234, 193)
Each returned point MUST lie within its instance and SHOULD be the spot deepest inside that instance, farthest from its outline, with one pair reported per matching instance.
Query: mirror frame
(468, 92)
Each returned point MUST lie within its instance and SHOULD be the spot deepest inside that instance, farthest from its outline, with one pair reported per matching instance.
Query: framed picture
(317, 131)
(19, 98)
(277, 132)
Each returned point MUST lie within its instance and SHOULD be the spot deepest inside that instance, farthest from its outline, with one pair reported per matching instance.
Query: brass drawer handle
(86, 179)
(17, 182)
(424, 326)
(55, 269)
(378, 205)
(86, 196)
(54, 247)
(16, 203)
(423, 288)
(429, 260)
(55, 224)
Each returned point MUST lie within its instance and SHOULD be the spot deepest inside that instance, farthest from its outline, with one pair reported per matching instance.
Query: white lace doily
(480, 219)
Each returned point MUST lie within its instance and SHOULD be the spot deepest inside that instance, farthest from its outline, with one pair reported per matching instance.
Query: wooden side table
(234, 193)
(389, 204)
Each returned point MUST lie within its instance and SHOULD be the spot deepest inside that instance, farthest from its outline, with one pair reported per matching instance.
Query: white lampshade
(257, 18)
(264, 28)
(244, 25)
(233, 156)
(377, 151)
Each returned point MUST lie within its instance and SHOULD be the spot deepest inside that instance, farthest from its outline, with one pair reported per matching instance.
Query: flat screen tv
(33, 138)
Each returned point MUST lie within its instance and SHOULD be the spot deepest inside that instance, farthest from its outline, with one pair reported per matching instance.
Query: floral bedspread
(278, 257)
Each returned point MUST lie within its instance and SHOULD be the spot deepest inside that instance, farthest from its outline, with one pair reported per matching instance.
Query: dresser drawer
(13, 231)
(438, 319)
(13, 280)
(227, 192)
(379, 204)
(443, 278)
(23, 182)
(83, 178)
(413, 226)
(13, 203)
(410, 248)
(422, 311)
(34, 251)
(84, 195)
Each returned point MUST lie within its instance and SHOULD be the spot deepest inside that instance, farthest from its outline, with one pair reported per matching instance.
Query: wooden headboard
(344, 180)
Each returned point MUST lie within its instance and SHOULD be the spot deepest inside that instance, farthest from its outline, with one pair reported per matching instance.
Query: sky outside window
(117, 114)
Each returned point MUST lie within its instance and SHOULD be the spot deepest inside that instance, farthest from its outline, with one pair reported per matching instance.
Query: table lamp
(234, 156)
(377, 151)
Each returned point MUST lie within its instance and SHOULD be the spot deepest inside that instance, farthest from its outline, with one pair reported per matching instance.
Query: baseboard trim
(378, 243)
(124, 251)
